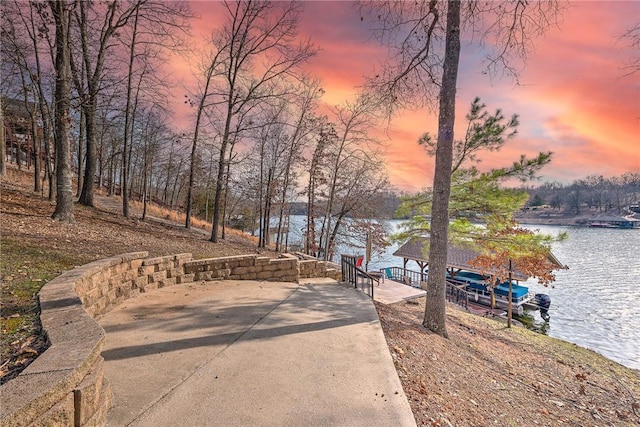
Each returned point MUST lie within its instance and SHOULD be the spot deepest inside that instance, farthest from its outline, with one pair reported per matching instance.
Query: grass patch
(24, 270)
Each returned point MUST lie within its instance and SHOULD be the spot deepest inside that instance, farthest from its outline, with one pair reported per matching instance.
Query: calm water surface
(596, 303)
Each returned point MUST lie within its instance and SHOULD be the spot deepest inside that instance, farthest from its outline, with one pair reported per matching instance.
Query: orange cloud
(574, 100)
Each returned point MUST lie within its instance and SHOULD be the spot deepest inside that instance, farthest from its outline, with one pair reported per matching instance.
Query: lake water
(596, 303)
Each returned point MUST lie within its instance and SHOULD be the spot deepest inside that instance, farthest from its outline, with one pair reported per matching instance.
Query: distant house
(539, 207)
(613, 221)
(21, 137)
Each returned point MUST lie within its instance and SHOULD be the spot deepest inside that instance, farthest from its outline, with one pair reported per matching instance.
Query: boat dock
(389, 291)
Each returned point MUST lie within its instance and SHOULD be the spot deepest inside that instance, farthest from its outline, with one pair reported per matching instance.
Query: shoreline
(559, 220)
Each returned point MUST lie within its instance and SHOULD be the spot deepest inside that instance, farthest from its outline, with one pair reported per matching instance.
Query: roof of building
(458, 257)
(612, 218)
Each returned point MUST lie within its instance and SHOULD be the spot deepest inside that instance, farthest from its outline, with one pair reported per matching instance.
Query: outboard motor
(543, 301)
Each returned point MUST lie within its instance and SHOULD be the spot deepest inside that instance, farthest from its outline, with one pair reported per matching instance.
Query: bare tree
(253, 31)
(203, 95)
(3, 144)
(632, 38)
(306, 103)
(353, 121)
(155, 130)
(27, 43)
(97, 25)
(420, 67)
(152, 29)
(64, 193)
(272, 143)
(318, 178)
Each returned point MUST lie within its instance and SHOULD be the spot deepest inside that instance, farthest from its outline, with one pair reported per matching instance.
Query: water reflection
(596, 303)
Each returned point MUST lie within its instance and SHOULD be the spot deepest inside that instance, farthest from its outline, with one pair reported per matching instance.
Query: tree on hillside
(28, 45)
(152, 30)
(318, 178)
(97, 25)
(3, 146)
(352, 148)
(256, 49)
(345, 175)
(271, 147)
(480, 197)
(154, 134)
(416, 30)
(62, 104)
(305, 103)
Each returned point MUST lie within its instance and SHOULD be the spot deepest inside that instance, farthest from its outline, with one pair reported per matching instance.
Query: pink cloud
(574, 99)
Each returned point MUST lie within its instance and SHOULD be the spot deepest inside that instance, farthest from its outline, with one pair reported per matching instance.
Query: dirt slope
(484, 374)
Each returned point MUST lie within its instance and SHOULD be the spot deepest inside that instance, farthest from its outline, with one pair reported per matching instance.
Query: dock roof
(457, 257)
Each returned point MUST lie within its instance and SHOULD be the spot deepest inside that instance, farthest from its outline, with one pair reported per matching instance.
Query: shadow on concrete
(215, 321)
(222, 339)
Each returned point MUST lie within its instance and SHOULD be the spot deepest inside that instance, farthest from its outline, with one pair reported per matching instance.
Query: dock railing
(456, 290)
(403, 275)
(359, 278)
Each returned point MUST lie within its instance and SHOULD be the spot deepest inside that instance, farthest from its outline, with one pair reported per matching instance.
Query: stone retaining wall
(65, 386)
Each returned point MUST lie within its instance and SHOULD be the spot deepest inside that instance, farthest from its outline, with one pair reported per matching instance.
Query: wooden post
(509, 308)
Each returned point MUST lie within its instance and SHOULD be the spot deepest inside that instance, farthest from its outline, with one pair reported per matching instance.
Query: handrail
(408, 277)
(456, 291)
(352, 274)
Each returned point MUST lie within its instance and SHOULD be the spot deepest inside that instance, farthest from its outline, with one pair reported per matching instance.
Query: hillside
(484, 374)
(36, 249)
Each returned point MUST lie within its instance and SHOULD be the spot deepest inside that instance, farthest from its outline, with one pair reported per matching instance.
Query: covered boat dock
(458, 259)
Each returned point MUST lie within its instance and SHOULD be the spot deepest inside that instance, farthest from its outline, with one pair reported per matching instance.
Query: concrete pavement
(247, 353)
(389, 291)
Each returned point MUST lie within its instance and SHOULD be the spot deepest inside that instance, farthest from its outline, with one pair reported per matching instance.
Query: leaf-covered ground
(36, 249)
(485, 374)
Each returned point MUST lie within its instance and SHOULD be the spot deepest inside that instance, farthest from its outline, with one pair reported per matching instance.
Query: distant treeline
(595, 192)
(613, 195)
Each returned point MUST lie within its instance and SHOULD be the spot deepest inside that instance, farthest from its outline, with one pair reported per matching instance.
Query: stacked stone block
(245, 267)
(66, 385)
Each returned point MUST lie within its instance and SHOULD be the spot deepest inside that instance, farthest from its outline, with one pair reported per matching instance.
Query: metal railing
(359, 278)
(403, 275)
(456, 291)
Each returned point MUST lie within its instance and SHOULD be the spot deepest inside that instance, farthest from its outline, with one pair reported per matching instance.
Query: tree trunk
(196, 131)
(127, 115)
(64, 193)
(81, 134)
(37, 184)
(165, 193)
(86, 196)
(145, 178)
(3, 146)
(174, 197)
(226, 192)
(221, 169)
(435, 309)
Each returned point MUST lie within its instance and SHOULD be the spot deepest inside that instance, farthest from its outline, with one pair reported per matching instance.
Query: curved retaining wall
(65, 386)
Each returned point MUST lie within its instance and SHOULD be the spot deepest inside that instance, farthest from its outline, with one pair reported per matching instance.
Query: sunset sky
(574, 98)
